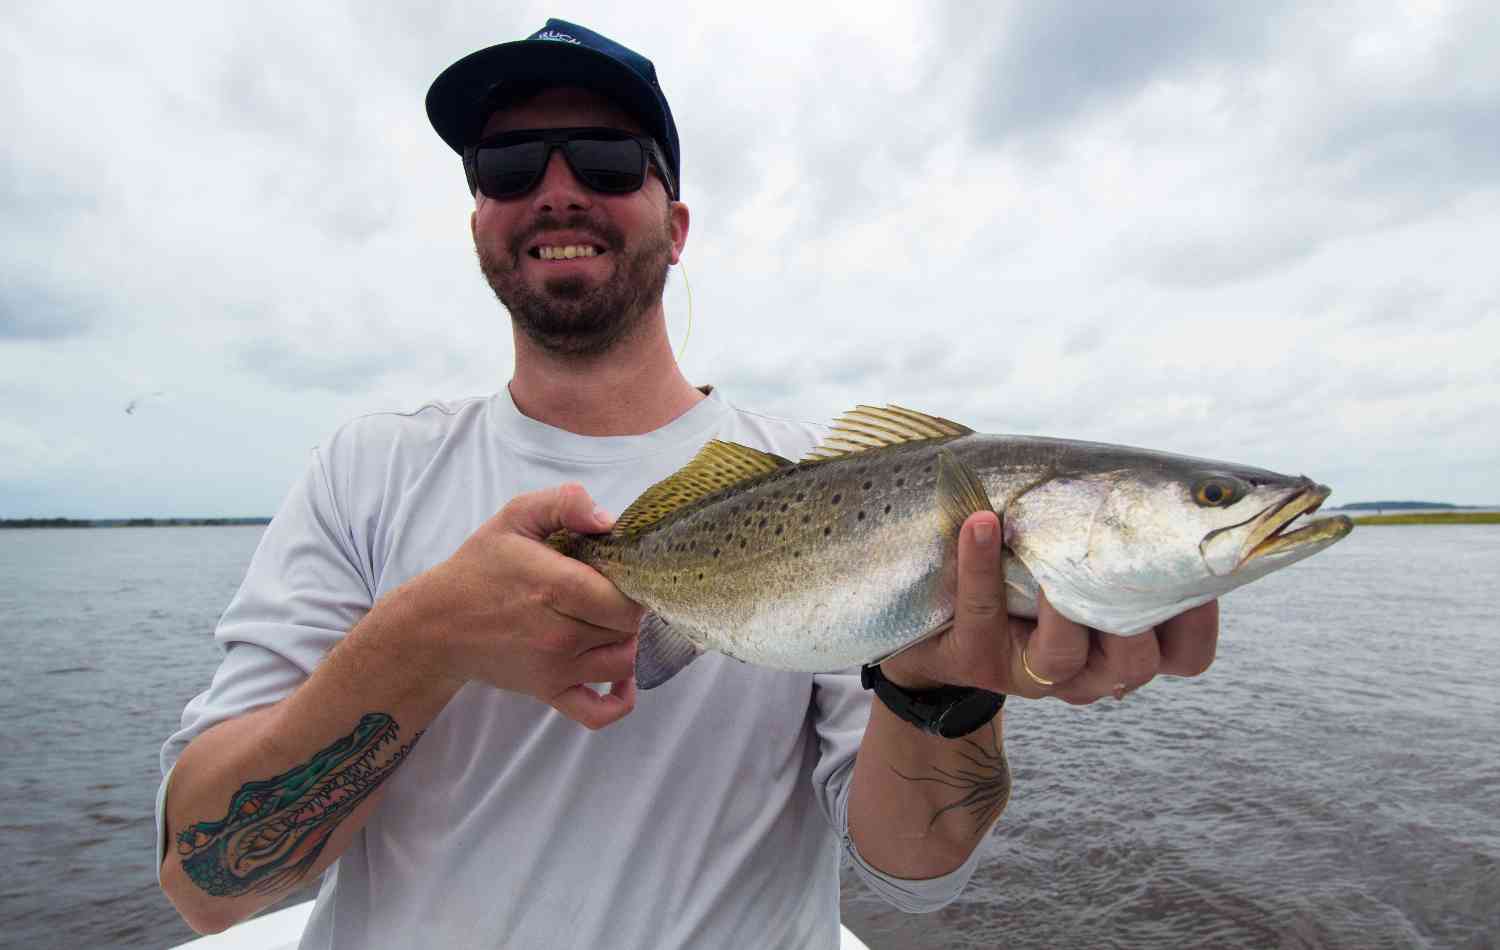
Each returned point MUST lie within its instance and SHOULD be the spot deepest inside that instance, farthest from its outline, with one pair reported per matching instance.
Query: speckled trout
(848, 556)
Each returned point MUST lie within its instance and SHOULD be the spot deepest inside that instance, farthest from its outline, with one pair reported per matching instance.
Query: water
(1333, 781)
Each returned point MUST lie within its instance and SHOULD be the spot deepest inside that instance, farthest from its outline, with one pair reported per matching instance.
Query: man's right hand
(512, 612)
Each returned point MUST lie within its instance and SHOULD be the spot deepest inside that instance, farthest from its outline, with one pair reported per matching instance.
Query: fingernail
(602, 516)
(984, 533)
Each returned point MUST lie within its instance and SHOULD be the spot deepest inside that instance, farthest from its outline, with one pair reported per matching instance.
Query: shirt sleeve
(841, 709)
(306, 586)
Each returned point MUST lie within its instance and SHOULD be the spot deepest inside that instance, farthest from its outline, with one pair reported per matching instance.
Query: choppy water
(1334, 780)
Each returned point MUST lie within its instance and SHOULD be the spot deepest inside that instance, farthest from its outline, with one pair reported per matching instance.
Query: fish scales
(850, 556)
(844, 560)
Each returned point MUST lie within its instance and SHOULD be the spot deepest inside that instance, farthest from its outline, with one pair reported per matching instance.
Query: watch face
(968, 714)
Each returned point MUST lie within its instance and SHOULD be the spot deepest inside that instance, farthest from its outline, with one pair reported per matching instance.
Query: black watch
(948, 711)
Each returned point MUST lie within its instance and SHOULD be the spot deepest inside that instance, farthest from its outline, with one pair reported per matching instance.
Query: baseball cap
(559, 54)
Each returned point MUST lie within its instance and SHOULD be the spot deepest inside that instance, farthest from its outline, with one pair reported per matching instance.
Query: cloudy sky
(1261, 232)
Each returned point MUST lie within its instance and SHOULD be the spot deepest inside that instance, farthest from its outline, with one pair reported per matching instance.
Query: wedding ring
(1040, 681)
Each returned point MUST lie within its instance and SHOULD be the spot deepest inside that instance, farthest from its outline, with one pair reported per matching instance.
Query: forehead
(560, 108)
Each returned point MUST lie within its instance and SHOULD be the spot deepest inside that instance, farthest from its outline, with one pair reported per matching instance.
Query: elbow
(205, 914)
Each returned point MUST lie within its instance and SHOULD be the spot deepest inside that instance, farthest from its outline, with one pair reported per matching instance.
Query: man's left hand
(989, 649)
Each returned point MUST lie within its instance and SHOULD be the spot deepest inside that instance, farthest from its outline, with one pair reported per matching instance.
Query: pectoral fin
(661, 652)
(960, 493)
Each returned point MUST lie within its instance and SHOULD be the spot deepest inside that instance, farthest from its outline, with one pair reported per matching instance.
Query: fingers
(537, 514)
(1190, 640)
(1056, 651)
(611, 663)
(580, 593)
(587, 708)
(981, 583)
(1116, 666)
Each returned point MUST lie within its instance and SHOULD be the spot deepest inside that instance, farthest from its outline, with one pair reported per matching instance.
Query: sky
(1264, 233)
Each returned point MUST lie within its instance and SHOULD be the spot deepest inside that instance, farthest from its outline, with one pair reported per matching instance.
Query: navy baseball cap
(559, 54)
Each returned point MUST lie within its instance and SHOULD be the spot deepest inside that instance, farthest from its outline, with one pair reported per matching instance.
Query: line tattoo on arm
(277, 827)
(983, 784)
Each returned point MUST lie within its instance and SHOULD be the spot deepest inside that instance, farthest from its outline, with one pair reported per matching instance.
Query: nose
(559, 190)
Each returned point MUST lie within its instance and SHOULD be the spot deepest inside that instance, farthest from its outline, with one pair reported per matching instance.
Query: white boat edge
(282, 930)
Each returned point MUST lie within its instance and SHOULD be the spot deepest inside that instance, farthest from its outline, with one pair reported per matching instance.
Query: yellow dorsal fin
(716, 466)
(870, 427)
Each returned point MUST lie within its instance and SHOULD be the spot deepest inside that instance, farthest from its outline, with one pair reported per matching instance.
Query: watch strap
(946, 711)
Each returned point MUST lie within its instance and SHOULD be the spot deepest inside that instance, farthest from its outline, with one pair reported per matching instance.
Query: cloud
(1054, 62)
(1258, 232)
(32, 312)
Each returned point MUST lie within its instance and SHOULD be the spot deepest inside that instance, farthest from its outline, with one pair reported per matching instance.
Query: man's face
(582, 305)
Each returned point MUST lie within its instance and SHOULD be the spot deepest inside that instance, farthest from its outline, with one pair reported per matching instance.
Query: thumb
(537, 514)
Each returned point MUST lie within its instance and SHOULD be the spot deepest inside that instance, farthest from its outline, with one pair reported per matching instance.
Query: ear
(680, 219)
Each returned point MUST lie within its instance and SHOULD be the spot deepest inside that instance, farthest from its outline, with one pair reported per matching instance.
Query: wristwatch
(948, 711)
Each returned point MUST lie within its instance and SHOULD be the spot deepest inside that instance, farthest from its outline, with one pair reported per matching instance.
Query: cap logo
(557, 37)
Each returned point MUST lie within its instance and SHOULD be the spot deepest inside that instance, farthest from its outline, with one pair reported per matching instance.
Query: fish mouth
(1272, 536)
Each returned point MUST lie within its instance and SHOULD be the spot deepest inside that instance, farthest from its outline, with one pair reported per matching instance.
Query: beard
(571, 316)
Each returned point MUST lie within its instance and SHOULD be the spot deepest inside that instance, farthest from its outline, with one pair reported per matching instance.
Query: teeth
(565, 252)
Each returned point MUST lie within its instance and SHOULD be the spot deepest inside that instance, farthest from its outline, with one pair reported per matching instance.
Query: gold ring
(1121, 691)
(1040, 681)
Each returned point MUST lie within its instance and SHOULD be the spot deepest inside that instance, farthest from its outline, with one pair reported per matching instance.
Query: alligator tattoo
(277, 827)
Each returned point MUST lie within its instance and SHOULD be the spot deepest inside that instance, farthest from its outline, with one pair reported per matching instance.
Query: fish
(848, 556)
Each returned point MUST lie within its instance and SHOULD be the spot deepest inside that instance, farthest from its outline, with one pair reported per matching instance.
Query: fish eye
(1217, 492)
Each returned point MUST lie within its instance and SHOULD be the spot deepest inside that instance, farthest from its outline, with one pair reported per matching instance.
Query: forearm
(262, 803)
(920, 804)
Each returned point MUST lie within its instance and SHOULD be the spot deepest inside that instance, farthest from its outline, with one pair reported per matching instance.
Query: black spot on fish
(700, 575)
(784, 506)
(716, 552)
(762, 522)
(827, 532)
(887, 509)
(867, 485)
(900, 482)
(861, 516)
(806, 518)
(742, 542)
(927, 470)
(836, 498)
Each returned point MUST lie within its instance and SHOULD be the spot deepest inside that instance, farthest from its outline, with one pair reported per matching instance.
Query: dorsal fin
(870, 427)
(716, 466)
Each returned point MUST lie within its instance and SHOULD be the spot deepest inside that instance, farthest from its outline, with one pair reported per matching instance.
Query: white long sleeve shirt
(712, 816)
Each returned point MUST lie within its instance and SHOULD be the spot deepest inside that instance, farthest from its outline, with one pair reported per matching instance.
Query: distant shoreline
(127, 522)
(1433, 517)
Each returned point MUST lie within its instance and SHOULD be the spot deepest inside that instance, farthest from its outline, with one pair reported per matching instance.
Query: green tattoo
(277, 827)
(984, 783)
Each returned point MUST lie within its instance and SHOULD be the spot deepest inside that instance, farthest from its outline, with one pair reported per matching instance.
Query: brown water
(1333, 781)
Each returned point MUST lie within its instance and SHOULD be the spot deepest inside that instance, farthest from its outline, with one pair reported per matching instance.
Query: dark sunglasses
(607, 160)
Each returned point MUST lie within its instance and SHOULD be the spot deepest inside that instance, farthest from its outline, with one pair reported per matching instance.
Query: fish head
(1123, 547)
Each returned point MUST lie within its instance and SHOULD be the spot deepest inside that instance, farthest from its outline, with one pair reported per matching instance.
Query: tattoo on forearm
(277, 827)
(983, 784)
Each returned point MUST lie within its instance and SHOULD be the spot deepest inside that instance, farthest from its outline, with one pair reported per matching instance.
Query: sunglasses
(608, 160)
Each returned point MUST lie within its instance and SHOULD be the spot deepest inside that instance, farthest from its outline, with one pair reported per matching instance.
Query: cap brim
(456, 102)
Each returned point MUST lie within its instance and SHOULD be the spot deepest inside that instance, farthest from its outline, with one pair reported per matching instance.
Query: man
(405, 690)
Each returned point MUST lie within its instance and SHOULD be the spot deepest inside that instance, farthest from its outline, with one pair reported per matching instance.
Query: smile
(555, 252)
